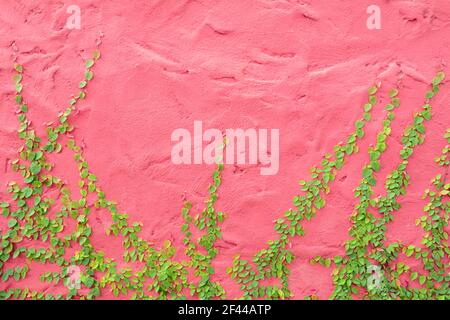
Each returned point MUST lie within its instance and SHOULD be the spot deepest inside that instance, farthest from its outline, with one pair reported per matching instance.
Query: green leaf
(89, 63)
(18, 68)
(17, 78)
(96, 54)
(4, 205)
(12, 223)
(438, 78)
(35, 168)
(396, 102)
(393, 93)
(359, 124)
(429, 94)
(367, 107)
(409, 251)
(89, 75)
(337, 259)
(27, 192)
(319, 203)
(373, 90)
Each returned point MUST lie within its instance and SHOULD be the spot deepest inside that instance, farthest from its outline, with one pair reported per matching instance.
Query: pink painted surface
(300, 66)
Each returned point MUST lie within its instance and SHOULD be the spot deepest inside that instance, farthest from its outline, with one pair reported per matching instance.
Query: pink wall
(302, 68)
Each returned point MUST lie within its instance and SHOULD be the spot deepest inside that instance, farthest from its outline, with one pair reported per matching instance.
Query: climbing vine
(152, 272)
(369, 262)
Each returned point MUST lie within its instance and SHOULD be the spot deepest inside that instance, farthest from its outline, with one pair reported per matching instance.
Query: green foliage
(152, 272)
(368, 248)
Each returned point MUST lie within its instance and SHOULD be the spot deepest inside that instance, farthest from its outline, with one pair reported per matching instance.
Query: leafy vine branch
(153, 273)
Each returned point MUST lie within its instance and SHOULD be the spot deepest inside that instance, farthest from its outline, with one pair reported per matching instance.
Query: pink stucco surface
(302, 67)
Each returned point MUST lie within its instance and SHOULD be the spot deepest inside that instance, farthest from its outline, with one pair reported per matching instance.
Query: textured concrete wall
(300, 66)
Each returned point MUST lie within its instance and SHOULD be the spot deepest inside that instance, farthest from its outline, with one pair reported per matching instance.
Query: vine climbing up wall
(92, 207)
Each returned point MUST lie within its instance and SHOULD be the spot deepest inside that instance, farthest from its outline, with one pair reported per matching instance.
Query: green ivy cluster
(159, 276)
(208, 222)
(154, 273)
(367, 248)
(365, 228)
(272, 262)
(367, 233)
